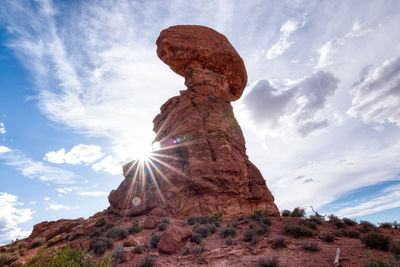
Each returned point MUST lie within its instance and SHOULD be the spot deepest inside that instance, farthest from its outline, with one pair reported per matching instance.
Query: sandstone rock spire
(200, 165)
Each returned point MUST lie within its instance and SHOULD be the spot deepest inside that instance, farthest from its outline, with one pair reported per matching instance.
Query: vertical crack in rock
(203, 166)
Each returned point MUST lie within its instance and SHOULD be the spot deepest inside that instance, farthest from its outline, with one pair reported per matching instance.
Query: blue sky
(80, 83)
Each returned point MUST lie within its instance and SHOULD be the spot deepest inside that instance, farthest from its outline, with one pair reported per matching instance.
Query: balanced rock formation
(199, 165)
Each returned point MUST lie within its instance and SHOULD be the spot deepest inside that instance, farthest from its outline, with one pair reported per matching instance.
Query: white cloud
(62, 207)
(11, 215)
(325, 55)
(32, 202)
(376, 97)
(109, 164)
(46, 198)
(77, 155)
(2, 128)
(283, 44)
(64, 190)
(36, 169)
(93, 193)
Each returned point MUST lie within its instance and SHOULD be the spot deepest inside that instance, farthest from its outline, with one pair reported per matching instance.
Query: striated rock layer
(200, 164)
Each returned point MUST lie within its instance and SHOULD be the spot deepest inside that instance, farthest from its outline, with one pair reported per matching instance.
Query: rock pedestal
(199, 164)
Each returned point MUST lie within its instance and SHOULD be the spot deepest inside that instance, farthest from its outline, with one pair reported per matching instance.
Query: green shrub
(100, 222)
(268, 261)
(96, 233)
(215, 218)
(311, 246)
(117, 232)
(55, 240)
(165, 220)
(376, 240)
(64, 256)
(366, 226)
(336, 221)
(202, 260)
(148, 261)
(279, 242)
(37, 242)
(265, 220)
(318, 219)
(387, 225)
(298, 212)
(155, 238)
(309, 224)
(118, 255)
(328, 237)
(212, 228)
(257, 214)
(228, 232)
(186, 251)
(192, 220)
(196, 238)
(109, 226)
(139, 249)
(162, 226)
(135, 228)
(203, 231)
(296, 230)
(380, 263)
(22, 244)
(229, 241)
(351, 233)
(349, 222)
(7, 258)
(285, 213)
(251, 236)
(197, 250)
(262, 229)
(100, 244)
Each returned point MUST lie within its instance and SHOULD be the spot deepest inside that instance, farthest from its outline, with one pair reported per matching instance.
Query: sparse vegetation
(139, 249)
(109, 226)
(215, 218)
(100, 222)
(376, 240)
(117, 232)
(336, 221)
(366, 226)
(118, 255)
(307, 223)
(64, 256)
(197, 250)
(268, 261)
(395, 249)
(380, 263)
(202, 260)
(186, 251)
(228, 232)
(37, 242)
(196, 238)
(296, 230)
(162, 226)
(349, 222)
(8, 258)
(328, 237)
(100, 244)
(203, 231)
(72, 236)
(165, 220)
(285, 213)
(351, 233)
(229, 241)
(279, 242)
(212, 228)
(155, 238)
(387, 225)
(135, 228)
(148, 261)
(96, 232)
(318, 219)
(311, 246)
(298, 212)
(55, 240)
(251, 236)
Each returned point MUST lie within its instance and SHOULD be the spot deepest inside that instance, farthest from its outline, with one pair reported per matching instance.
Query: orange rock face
(200, 164)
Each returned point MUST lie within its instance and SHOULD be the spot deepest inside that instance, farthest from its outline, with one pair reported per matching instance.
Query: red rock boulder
(173, 239)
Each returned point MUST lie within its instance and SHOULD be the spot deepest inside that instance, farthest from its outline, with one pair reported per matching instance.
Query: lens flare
(136, 201)
(155, 145)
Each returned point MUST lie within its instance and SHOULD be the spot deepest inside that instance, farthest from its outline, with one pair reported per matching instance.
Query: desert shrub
(296, 230)
(196, 238)
(298, 212)
(37, 242)
(250, 236)
(109, 226)
(202, 260)
(285, 213)
(217, 216)
(311, 246)
(100, 222)
(241, 218)
(265, 220)
(7, 258)
(162, 226)
(318, 219)
(106, 260)
(135, 228)
(351, 233)
(257, 214)
(155, 238)
(72, 236)
(328, 237)
(191, 220)
(55, 240)
(366, 226)
(64, 256)
(197, 250)
(307, 223)
(228, 232)
(117, 232)
(268, 261)
(229, 241)
(262, 229)
(96, 232)
(252, 226)
(387, 225)
(376, 240)
(234, 224)
(118, 255)
(139, 249)
(185, 251)
(212, 228)
(380, 263)
(395, 249)
(349, 222)
(279, 242)
(336, 221)
(203, 231)
(100, 244)
(17, 263)
(22, 244)
(148, 261)
(165, 220)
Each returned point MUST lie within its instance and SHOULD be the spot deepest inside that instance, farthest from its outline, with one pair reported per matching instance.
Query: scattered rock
(151, 222)
(173, 239)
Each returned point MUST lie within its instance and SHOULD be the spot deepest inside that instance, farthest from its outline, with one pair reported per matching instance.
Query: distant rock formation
(200, 165)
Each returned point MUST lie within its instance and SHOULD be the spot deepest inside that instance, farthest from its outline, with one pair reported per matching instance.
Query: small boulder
(130, 241)
(151, 222)
(173, 239)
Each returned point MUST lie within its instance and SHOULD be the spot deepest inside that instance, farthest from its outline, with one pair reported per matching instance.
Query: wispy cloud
(61, 207)
(77, 155)
(2, 128)
(93, 193)
(11, 215)
(36, 169)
